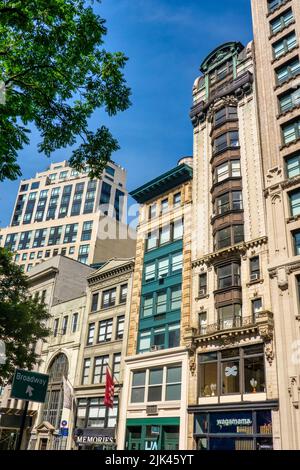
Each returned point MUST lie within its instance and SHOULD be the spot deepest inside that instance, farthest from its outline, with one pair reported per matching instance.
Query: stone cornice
(289, 267)
(240, 248)
(286, 184)
(112, 273)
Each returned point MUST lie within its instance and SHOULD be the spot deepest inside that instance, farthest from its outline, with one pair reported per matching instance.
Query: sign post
(28, 386)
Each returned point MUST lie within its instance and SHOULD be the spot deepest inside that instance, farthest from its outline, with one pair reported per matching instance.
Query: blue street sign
(64, 432)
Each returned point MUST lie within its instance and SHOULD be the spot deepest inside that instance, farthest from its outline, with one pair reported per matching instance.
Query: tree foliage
(22, 318)
(55, 73)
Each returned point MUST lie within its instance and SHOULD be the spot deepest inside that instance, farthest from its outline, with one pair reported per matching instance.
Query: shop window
(232, 371)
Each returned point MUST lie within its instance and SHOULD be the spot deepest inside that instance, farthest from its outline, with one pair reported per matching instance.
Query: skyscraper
(61, 211)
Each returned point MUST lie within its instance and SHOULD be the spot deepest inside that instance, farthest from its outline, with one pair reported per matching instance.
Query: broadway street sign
(30, 386)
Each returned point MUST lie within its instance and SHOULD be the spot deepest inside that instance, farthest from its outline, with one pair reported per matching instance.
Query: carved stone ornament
(219, 104)
(269, 352)
(274, 173)
(192, 364)
(294, 390)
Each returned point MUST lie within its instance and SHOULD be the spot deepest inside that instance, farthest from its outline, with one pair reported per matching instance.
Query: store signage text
(234, 422)
(94, 440)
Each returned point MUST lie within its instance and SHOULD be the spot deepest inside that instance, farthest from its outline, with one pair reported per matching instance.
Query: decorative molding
(240, 249)
(289, 269)
(107, 277)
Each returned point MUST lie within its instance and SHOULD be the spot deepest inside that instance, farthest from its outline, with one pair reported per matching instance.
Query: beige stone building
(277, 59)
(61, 282)
(61, 211)
(103, 344)
(153, 409)
(233, 392)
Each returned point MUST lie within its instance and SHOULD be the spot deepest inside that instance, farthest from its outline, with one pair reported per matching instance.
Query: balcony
(232, 329)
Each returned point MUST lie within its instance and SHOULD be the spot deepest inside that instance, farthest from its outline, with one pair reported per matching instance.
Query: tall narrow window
(117, 366)
(254, 268)
(86, 371)
(120, 327)
(64, 325)
(91, 334)
(202, 284)
(95, 299)
(74, 322)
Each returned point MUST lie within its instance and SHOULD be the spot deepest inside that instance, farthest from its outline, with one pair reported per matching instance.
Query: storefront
(95, 439)
(152, 434)
(246, 427)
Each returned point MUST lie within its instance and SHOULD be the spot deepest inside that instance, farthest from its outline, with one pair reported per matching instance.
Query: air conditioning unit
(254, 277)
(202, 292)
(161, 281)
(154, 347)
(151, 410)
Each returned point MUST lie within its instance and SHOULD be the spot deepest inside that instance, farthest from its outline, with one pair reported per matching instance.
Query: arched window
(55, 394)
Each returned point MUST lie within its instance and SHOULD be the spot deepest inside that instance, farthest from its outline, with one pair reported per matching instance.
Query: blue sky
(165, 40)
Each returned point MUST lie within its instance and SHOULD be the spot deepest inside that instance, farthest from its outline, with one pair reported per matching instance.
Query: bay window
(227, 170)
(227, 140)
(229, 201)
(229, 236)
(229, 276)
(229, 316)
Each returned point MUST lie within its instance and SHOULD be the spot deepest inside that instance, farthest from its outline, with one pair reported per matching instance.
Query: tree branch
(13, 10)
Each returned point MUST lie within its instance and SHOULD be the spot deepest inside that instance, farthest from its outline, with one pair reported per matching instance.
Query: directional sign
(28, 385)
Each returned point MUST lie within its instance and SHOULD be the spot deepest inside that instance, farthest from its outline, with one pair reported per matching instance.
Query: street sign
(64, 432)
(28, 385)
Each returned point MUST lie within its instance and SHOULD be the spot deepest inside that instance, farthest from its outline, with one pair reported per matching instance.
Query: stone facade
(271, 27)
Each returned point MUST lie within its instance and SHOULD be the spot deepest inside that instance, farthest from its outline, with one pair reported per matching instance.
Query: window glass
(293, 166)
(178, 229)
(176, 298)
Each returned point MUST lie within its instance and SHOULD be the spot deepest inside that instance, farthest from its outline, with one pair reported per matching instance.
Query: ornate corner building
(233, 394)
